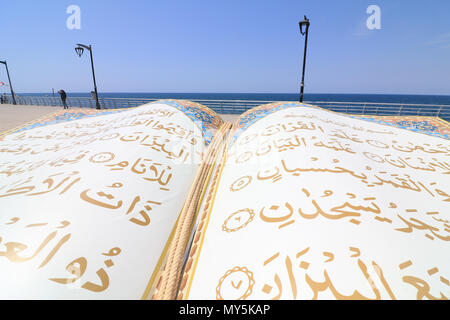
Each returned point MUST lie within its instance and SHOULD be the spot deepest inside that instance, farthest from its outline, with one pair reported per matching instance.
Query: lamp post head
(4, 62)
(79, 50)
(305, 23)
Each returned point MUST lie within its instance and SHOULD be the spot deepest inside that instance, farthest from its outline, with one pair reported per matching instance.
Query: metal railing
(240, 106)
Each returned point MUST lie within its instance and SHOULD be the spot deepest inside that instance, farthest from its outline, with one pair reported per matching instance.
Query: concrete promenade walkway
(12, 116)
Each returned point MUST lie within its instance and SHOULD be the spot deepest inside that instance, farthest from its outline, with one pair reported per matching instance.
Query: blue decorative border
(203, 117)
(64, 117)
(412, 123)
(421, 125)
(255, 114)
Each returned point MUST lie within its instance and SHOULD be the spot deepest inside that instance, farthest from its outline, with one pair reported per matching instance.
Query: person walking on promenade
(63, 98)
(3, 99)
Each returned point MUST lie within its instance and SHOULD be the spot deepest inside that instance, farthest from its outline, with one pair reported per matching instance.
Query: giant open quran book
(168, 201)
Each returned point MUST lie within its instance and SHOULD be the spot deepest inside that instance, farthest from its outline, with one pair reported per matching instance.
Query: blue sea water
(389, 104)
(375, 98)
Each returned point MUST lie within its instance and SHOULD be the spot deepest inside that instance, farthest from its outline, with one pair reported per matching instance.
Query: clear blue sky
(228, 46)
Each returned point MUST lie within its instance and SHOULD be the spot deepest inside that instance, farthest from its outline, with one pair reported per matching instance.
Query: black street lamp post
(79, 50)
(10, 85)
(305, 23)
